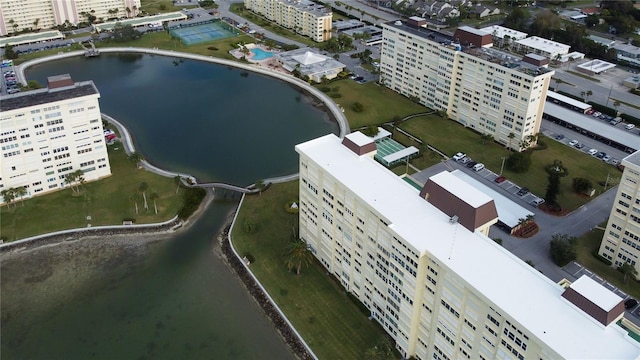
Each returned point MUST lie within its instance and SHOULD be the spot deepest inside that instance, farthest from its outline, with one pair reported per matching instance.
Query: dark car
(523, 191)
(579, 146)
(500, 179)
(601, 154)
(471, 164)
(559, 137)
(630, 303)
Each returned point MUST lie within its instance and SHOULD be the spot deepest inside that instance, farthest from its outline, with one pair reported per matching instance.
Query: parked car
(471, 164)
(614, 162)
(459, 156)
(606, 158)
(573, 142)
(477, 167)
(500, 179)
(629, 126)
(601, 155)
(523, 191)
(465, 160)
(559, 137)
(537, 202)
(630, 303)
(615, 121)
(597, 114)
(593, 151)
(579, 146)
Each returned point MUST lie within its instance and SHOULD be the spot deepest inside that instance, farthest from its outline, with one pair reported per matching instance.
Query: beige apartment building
(621, 241)
(421, 262)
(302, 16)
(48, 133)
(492, 92)
(18, 15)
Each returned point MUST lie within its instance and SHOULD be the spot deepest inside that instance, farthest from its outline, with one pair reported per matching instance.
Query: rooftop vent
(453, 219)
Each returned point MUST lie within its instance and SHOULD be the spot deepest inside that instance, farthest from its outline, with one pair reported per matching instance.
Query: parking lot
(511, 188)
(9, 80)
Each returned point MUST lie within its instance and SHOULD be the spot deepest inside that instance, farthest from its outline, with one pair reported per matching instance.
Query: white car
(573, 142)
(629, 126)
(459, 156)
(606, 158)
(593, 152)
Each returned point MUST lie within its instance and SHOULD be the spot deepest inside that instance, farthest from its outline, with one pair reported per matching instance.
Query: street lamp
(502, 166)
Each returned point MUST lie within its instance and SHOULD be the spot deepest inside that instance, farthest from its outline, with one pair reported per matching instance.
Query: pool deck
(268, 62)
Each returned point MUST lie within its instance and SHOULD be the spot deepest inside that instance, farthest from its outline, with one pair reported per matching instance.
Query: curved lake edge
(167, 229)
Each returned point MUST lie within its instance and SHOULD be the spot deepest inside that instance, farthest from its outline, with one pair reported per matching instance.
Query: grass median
(107, 201)
(316, 305)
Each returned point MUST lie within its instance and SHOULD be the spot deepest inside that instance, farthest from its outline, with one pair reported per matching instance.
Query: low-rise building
(621, 241)
(302, 16)
(309, 64)
(421, 263)
(501, 33)
(49, 133)
(537, 45)
(628, 53)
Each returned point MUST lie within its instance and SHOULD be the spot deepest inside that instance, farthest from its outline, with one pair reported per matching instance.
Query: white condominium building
(421, 263)
(487, 90)
(621, 241)
(302, 16)
(550, 49)
(48, 133)
(18, 15)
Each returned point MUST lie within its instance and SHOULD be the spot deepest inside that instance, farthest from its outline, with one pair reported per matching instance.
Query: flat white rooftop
(567, 100)
(509, 212)
(598, 294)
(545, 45)
(500, 32)
(461, 189)
(596, 66)
(518, 289)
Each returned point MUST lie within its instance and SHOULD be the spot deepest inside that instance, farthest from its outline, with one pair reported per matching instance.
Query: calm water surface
(171, 299)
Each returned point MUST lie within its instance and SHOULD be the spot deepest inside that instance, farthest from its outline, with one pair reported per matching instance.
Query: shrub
(213, 48)
(357, 107)
(603, 109)
(335, 95)
(581, 185)
(248, 226)
(325, 89)
(519, 162)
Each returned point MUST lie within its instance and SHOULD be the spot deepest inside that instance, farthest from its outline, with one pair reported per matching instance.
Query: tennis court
(390, 152)
(203, 33)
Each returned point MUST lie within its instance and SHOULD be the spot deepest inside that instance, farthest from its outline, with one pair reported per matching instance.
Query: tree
(485, 138)
(588, 93)
(555, 171)
(260, 185)
(616, 104)
(75, 179)
(558, 82)
(381, 351)
(518, 162)
(545, 24)
(298, 255)
(135, 158)
(8, 195)
(9, 53)
(517, 19)
(35, 23)
(124, 33)
(511, 136)
(135, 197)
(563, 249)
(627, 269)
(581, 185)
(583, 95)
(371, 130)
(142, 188)
(357, 107)
(154, 196)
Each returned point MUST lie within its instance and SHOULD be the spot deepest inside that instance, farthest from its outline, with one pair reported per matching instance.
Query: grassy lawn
(159, 6)
(107, 201)
(319, 309)
(380, 103)
(626, 103)
(450, 137)
(587, 245)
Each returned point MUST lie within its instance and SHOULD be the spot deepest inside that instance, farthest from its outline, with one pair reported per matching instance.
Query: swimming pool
(259, 54)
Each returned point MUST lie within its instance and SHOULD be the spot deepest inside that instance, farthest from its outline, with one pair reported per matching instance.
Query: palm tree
(153, 196)
(558, 82)
(589, 93)
(298, 255)
(8, 195)
(36, 22)
(142, 188)
(583, 94)
(511, 136)
(617, 104)
(135, 197)
(75, 179)
(20, 192)
(135, 158)
(627, 269)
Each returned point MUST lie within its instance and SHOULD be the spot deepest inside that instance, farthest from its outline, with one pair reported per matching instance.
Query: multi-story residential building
(302, 16)
(487, 90)
(421, 263)
(48, 133)
(621, 241)
(628, 53)
(19, 15)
